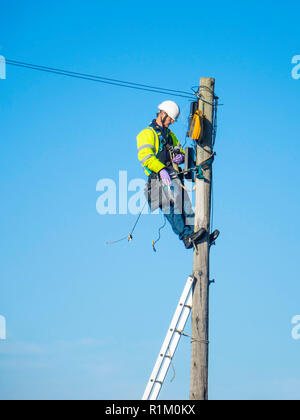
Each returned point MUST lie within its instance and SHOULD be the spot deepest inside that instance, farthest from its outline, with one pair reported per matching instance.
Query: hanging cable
(196, 92)
(101, 79)
(130, 236)
(94, 76)
(158, 239)
(215, 121)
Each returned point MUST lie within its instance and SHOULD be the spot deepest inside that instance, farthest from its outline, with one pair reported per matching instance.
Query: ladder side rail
(174, 323)
(172, 349)
(163, 354)
(164, 349)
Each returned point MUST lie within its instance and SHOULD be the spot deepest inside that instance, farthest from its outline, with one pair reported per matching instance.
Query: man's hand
(178, 159)
(165, 177)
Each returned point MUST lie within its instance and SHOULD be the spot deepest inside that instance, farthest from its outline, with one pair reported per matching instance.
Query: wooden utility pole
(200, 310)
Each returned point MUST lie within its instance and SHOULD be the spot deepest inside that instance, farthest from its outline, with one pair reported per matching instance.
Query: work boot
(193, 238)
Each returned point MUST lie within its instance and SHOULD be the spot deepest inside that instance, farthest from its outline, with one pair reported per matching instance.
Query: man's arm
(146, 151)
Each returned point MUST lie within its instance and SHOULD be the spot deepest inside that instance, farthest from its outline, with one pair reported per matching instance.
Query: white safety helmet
(170, 108)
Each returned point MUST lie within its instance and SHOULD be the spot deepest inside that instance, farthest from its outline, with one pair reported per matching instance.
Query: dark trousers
(178, 211)
(177, 222)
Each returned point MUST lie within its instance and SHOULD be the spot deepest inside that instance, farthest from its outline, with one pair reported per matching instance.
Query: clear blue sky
(85, 320)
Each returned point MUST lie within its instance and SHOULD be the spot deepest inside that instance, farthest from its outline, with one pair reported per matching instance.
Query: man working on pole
(159, 152)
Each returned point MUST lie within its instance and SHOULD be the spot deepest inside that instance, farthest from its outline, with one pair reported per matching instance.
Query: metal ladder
(170, 343)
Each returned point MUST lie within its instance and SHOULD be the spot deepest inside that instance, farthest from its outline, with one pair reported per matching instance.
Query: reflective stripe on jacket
(148, 146)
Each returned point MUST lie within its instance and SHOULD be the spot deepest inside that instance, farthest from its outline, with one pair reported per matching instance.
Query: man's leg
(177, 222)
(176, 215)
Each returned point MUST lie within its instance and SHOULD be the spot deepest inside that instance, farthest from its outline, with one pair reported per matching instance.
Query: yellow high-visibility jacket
(148, 147)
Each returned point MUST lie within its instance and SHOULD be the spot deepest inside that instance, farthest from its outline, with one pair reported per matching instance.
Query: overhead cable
(101, 79)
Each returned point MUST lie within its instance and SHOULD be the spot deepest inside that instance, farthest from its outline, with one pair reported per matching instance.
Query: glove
(178, 159)
(165, 177)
